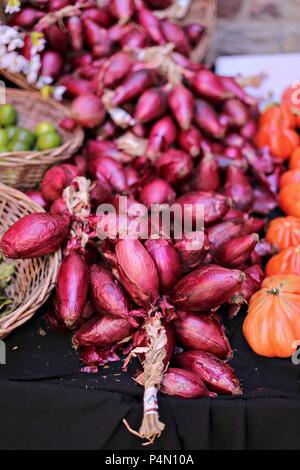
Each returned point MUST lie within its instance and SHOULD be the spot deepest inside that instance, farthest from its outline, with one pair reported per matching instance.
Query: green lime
(24, 135)
(48, 141)
(3, 137)
(11, 130)
(8, 115)
(44, 127)
(17, 146)
(3, 148)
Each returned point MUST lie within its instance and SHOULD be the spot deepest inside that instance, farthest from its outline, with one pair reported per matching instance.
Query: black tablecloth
(46, 403)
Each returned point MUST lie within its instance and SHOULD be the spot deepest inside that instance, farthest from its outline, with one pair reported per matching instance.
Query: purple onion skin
(137, 272)
(202, 332)
(108, 296)
(182, 384)
(215, 205)
(102, 331)
(167, 262)
(72, 289)
(206, 288)
(216, 375)
(192, 259)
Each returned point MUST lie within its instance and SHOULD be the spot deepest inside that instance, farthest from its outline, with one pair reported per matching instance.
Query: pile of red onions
(188, 142)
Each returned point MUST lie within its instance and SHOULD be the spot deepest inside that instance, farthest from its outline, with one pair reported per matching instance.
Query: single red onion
(133, 86)
(88, 110)
(236, 252)
(203, 333)
(237, 112)
(175, 166)
(183, 384)
(95, 35)
(102, 331)
(207, 119)
(181, 102)
(137, 272)
(249, 130)
(151, 105)
(214, 205)
(56, 39)
(190, 141)
(195, 32)
(176, 35)
(109, 169)
(106, 149)
(167, 262)
(234, 153)
(37, 197)
(59, 207)
(233, 87)
(34, 235)
(101, 192)
(150, 23)
(135, 39)
(238, 188)
(206, 288)
(264, 201)
(216, 375)
(123, 10)
(51, 64)
(75, 30)
(157, 191)
(162, 136)
(56, 179)
(208, 85)
(26, 17)
(192, 250)
(72, 289)
(77, 86)
(58, 4)
(223, 232)
(206, 176)
(117, 67)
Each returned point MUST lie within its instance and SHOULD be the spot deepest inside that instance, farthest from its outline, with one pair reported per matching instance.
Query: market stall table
(47, 403)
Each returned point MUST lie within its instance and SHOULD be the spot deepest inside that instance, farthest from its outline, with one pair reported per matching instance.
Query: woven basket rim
(27, 309)
(75, 137)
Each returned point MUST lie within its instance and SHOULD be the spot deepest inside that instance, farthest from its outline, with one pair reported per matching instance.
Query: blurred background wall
(256, 26)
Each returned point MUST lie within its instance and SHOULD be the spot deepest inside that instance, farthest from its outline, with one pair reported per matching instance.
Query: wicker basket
(200, 11)
(25, 170)
(35, 278)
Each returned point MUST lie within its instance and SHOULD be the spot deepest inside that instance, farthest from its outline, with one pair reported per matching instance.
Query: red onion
(72, 289)
(162, 136)
(51, 64)
(101, 192)
(175, 166)
(56, 39)
(37, 197)
(167, 262)
(93, 356)
(58, 4)
(206, 288)
(77, 86)
(207, 84)
(95, 35)
(239, 189)
(68, 124)
(190, 141)
(223, 232)
(264, 201)
(202, 332)
(59, 207)
(88, 110)
(192, 250)
(157, 191)
(234, 140)
(194, 32)
(26, 17)
(206, 176)
(106, 149)
(151, 105)
(215, 206)
(98, 15)
(236, 252)
(108, 130)
(232, 86)
(57, 179)
(34, 235)
(183, 384)
(102, 331)
(75, 30)
(237, 112)
(123, 10)
(249, 130)
(176, 35)
(181, 102)
(207, 119)
(137, 272)
(233, 153)
(109, 169)
(216, 375)
(118, 67)
(150, 23)
(135, 39)
(252, 283)
(133, 86)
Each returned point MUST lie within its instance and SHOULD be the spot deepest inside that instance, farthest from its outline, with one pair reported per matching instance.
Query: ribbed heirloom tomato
(286, 262)
(290, 177)
(289, 199)
(272, 325)
(294, 162)
(284, 232)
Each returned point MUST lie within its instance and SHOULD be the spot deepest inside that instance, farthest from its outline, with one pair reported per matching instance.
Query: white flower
(17, 43)
(38, 42)
(12, 6)
(42, 81)
(3, 50)
(33, 69)
(8, 34)
(58, 92)
(13, 62)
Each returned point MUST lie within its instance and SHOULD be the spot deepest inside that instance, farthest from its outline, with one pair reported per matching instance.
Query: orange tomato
(284, 232)
(280, 114)
(295, 159)
(272, 325)
(290, 177)
(286, 262)
(282, 141)
(289, 199)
